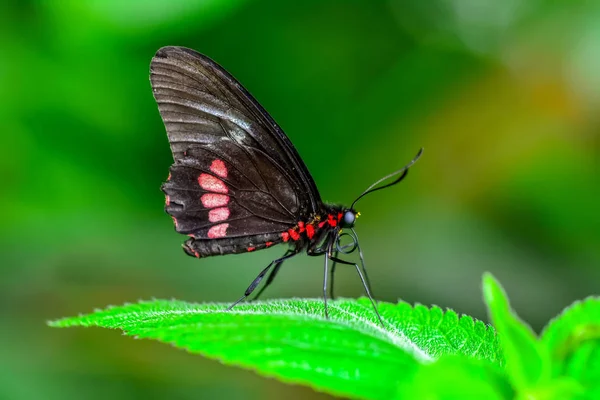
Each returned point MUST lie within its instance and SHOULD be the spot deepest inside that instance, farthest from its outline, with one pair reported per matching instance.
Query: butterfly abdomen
(204, 248)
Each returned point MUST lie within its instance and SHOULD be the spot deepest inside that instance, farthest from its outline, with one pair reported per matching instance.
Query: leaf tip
(493, 292)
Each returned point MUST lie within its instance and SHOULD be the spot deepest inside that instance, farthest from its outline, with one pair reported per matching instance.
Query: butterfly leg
(362, 279)
(260, 277)
(319, 251)
(325, 276)
(274, 272)
(314, 251)
(362, 263)
(331, 276)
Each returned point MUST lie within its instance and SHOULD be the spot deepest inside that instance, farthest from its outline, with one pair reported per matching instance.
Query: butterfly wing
(236, 174)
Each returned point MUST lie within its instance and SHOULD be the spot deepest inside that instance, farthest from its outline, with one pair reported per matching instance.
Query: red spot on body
(285, 236)
(331, 220)
(211, 200)
(310, 231)
(301, 227)
(218, 231)
(218, 214)
(293, 234)
(251, 248)
(322, 223)
(212, 184)
(268, 244)
(340, 215)
(218, 168)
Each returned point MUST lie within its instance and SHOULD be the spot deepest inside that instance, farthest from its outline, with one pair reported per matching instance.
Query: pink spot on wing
(212, 183)
(251, 248)
(268, 244)
(218, 231)
(211, 200)
(218, 214)
(174, 220)
(167, 200)
(218, 168)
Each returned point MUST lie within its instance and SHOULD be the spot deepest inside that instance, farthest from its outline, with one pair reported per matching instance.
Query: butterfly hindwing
(205, 190)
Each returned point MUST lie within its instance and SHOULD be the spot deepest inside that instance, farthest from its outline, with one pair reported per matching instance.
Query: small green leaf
(349, 355)
(457, 377)
(527, 360)
(573, 339)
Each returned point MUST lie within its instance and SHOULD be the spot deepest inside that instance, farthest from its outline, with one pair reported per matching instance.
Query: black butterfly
(238, 184)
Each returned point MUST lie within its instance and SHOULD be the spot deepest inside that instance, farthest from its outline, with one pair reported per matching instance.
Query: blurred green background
(503, 95)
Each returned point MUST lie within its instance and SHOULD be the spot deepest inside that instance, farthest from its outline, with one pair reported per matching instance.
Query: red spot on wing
(301, 227)
(218, 231)
(322, 223)
(218, 214)
(251, 248)
(268, 244)
(285, 236)
(293, 234)
(310, 231)
(212, 183)
(218, 168)
(211, 200)
(196, 254)
(331, 220)
(340, 215)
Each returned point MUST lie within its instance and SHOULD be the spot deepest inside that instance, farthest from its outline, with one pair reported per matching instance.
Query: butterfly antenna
(402, 172)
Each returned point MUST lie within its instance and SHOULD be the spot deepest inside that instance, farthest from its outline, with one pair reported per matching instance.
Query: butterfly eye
(348, 220)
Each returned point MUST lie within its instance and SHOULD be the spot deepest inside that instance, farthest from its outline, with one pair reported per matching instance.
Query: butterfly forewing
(236, 175)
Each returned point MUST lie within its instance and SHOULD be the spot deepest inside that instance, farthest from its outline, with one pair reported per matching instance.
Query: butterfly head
(349, 217)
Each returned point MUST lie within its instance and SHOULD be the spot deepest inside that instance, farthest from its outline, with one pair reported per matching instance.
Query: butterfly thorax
(314, 227)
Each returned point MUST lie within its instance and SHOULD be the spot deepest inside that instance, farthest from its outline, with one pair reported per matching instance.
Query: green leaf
(457, 377)
(349, 355)
(439, 332)
(573, 339)
(528, 363)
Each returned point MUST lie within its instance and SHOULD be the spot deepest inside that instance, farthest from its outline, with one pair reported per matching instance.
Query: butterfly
(237, 183)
